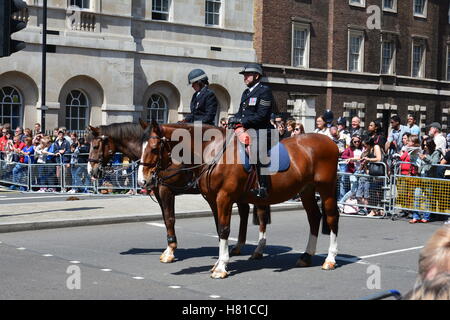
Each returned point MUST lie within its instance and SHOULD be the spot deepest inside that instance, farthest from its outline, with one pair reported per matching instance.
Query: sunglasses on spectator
(356, 141)
(297, 129)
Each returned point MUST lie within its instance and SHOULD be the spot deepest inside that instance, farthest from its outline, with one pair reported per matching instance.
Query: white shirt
(325, 131)
(441, 142)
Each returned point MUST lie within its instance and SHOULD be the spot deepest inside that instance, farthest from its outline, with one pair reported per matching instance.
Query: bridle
(101, 166)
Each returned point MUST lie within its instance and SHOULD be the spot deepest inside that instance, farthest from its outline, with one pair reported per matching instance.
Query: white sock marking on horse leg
(224, 256)
(261, 243)
(141, 179)
(332, 250)
(312, 245)
(89, 168)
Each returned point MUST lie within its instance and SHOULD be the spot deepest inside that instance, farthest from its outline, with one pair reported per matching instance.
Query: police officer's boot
(263, 180)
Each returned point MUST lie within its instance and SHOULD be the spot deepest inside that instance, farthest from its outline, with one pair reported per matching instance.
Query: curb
(55, 224)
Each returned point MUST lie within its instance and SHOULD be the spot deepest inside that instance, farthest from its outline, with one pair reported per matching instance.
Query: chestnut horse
(127, 139)
(223, 181)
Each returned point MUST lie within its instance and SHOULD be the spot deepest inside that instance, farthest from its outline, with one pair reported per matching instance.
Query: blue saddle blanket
(279, 158)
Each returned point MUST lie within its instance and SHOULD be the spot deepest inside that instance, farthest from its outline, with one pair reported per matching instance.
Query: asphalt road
(122, 261)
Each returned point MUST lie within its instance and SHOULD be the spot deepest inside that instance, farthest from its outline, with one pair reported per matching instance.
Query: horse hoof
(256, 256)
(219, 275)
(235, 252)
(166, 259)
(304, 261)
(329, 265)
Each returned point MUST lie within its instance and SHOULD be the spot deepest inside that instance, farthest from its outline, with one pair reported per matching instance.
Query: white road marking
(160, 225)
(214, 296)
(106, 270)
(138, 278)
(22, 248)
(47, 255)
(175, 287)
(44, 197)
(75, 262)
(391, 252)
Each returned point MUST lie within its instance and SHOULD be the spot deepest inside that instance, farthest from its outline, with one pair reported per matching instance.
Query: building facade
(116, 61)
(370, 58)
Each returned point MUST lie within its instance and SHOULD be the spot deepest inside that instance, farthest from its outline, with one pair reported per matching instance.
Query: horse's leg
(328, 195)
(166, 200)
(244, 209)
(224, 205)
(262, 213)
(313, 211)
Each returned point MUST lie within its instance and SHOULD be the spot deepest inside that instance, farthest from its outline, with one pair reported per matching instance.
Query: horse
(223, 181)
(127, 139)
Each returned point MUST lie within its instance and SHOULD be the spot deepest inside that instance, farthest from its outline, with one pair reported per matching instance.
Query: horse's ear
(95, 131)
(156, 127)
(143, 124)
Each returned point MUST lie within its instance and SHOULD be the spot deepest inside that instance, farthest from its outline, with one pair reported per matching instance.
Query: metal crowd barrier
(360, 193)
(422, 194)
(63, 177)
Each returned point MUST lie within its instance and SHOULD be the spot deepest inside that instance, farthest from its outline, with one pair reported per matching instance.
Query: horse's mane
(187, 126)
(120, 131)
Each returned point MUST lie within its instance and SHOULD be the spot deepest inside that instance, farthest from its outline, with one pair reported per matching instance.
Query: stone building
(115, 61)
(371, 58)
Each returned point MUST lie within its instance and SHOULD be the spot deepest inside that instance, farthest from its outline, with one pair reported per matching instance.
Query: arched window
(10, 107)
(77, 107)
(157, 108)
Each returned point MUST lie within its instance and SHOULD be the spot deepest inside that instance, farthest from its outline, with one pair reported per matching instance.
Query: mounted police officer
(254, 113)
(204, 101)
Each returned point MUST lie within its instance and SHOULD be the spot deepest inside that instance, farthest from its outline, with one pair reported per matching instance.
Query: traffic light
(9, 25)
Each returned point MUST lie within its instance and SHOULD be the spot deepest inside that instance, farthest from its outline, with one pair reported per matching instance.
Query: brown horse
(223, 181)
(127, 139)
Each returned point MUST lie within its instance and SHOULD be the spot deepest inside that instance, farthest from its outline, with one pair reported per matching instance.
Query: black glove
(234, 122)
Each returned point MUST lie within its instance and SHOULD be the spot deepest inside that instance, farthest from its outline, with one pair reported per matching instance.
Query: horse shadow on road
(278, 258)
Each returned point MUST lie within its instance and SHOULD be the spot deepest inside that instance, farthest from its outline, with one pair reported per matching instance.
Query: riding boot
(263, 181)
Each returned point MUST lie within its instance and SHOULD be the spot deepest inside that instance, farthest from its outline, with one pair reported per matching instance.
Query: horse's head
(154, 143)
(101, 151)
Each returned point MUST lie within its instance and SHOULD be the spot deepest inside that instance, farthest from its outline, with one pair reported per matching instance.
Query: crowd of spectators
(25, 146)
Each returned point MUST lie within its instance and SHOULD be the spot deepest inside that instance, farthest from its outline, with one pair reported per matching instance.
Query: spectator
(283, 133)
(413, 127)
(55, 134)
(299, 129)
(356, 127)
(19, 160)
(343, 132)
(423, 192)
(3, 141)
(37, 128)
(375, 130)
(394, 142)
(321, 127)
(44, 171)
(434, 258)
(448, 140)
(328, 116)
(405, 139)
(19, 132)
(61, 148)
(335, 136)
(75, 168)
(7, 127)
(436, 289)
(28, 133)
(351, 156)
(435, 133)
(372, 153)
(290, 125)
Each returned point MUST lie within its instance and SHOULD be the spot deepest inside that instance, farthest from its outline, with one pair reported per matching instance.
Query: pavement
(58, 211)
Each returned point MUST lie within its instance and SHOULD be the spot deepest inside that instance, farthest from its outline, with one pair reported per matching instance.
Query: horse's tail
(267, 215)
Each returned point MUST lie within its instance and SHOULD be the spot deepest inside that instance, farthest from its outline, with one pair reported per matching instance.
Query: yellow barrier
(431, 195)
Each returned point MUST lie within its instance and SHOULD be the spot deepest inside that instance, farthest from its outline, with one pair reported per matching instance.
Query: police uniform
(203, 107)
(254, 112)
(204, 102)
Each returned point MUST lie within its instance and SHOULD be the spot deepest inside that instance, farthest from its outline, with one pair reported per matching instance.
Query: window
(357, 3)
(356, 51)
(10, 107)
(390, 5)
(420, 8)
(157, 109)
(418, 59)
(212, 12)
(76, 110)
(388, 57)
(83, 4)
(160, 9)
(300, 45)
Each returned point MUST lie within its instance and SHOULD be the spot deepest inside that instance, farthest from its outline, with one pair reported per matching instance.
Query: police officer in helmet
(204, 101)
(254, 113)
